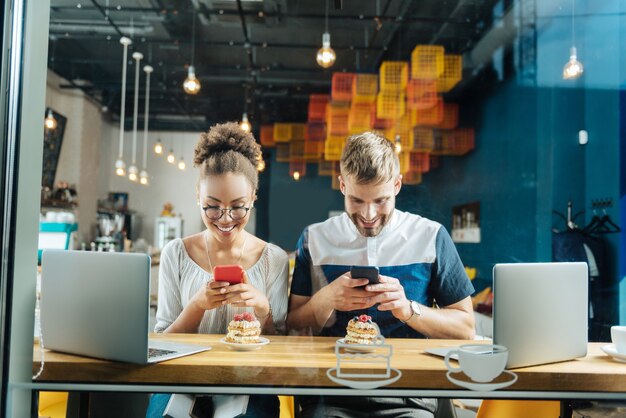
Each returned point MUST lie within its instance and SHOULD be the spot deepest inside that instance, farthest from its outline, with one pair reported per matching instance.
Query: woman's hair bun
(224, 137)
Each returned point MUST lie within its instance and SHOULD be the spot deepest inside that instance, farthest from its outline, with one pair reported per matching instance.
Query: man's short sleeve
(301, 281)
(450, 283)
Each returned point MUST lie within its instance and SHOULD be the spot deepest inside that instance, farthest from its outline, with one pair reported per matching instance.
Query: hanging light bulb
(260, 165)
(170, 157)
(245, 125)
(133, 173)
(143, 177)
(120, 167)
(191, 84)
(158, 147)
(181, 164)
(574, 68)
(398, 145)
(50, 122)
(296, 175)
(326, 55)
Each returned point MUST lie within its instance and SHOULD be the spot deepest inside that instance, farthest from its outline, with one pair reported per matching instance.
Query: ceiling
(257, 56)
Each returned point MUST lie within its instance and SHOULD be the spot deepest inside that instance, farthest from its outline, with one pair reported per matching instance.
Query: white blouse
(180, 278)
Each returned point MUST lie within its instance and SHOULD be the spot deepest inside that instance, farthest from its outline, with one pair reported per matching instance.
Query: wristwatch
(416, 311)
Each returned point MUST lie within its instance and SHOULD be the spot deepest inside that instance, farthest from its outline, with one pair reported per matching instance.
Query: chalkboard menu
(52, 141)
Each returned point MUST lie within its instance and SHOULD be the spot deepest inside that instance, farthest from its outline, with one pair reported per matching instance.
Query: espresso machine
(111, 232)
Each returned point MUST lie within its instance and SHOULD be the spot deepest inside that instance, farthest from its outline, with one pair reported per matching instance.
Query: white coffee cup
(618, 336)
(481, 362)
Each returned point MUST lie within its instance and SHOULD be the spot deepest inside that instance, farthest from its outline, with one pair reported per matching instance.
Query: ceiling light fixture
(158, 147)
(574, 68)
(191, 85)
(133, 171)
(120, 166)
(245, 124)
(50, 122)
(143, 176)
(170, 155)
(181, 164)
(296, 175)
(326, 55)
(398, 145)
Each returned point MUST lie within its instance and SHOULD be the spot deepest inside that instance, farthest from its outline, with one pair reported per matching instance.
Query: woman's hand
(211, 296)
(244, 294)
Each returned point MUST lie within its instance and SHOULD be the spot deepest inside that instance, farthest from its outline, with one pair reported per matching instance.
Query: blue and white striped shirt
(415, 250)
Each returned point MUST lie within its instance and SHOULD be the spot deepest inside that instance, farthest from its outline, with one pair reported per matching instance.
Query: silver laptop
(97, 304)
(540, 311)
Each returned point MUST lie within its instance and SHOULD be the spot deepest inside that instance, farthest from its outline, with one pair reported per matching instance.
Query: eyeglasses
(215, 213)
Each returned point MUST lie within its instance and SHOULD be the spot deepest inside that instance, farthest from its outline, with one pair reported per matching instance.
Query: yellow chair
(53, 404)
(286, 407)
(492, 408)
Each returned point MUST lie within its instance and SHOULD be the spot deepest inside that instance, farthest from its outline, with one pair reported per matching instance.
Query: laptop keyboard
(157, 352)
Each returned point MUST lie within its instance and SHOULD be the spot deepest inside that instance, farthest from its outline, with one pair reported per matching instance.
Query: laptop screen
(96, 303)
(540, 311)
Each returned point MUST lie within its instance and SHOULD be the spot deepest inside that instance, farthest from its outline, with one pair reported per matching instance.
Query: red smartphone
(232, 274)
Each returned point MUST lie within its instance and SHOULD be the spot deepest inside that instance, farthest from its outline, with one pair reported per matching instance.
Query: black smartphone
(365, 272)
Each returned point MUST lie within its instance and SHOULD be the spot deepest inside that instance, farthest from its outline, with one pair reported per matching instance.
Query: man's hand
(390, 297)
(347, 294)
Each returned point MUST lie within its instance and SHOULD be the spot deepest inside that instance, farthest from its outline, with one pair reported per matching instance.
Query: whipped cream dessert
(361, 330)
(244, 329)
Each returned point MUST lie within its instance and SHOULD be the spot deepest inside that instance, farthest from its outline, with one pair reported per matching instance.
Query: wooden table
(298, 365)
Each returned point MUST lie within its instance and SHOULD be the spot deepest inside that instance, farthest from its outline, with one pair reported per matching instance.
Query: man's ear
(397, 185)
(342, 185)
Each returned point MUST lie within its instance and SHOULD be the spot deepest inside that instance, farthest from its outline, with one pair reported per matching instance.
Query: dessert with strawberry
(244, 329)
(361, 330)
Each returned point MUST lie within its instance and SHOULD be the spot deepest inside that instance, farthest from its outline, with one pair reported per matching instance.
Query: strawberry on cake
(361, 330)
(244, 329)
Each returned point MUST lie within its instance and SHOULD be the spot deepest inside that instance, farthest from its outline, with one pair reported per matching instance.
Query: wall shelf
(467, 235)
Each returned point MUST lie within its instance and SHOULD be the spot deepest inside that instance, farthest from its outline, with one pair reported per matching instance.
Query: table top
(302, 362)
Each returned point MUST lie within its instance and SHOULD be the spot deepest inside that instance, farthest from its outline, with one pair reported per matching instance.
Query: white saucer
(612, 351)
(484, 387)
(365, 383)
(358, 348)
(245, 347)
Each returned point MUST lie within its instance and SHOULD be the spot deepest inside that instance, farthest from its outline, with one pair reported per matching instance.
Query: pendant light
(181, 163)
(573, 69)
(143, 176)
(158, 147)
(170, 155)
(120, 166)
(191, 85)
(133, 171)
(398, 145)
(296, 175)
(326, 55)
(245, 124)
(50, 123)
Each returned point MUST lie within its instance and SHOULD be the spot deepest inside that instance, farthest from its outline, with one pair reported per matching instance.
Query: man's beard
(369, 232)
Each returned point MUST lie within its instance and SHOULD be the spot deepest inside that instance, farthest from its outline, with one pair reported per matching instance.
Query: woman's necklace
(206, 246)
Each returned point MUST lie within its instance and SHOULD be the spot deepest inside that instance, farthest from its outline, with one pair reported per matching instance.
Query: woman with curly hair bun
(190, 300)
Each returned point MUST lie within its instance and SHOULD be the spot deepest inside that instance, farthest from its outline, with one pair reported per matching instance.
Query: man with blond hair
(418, 264)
